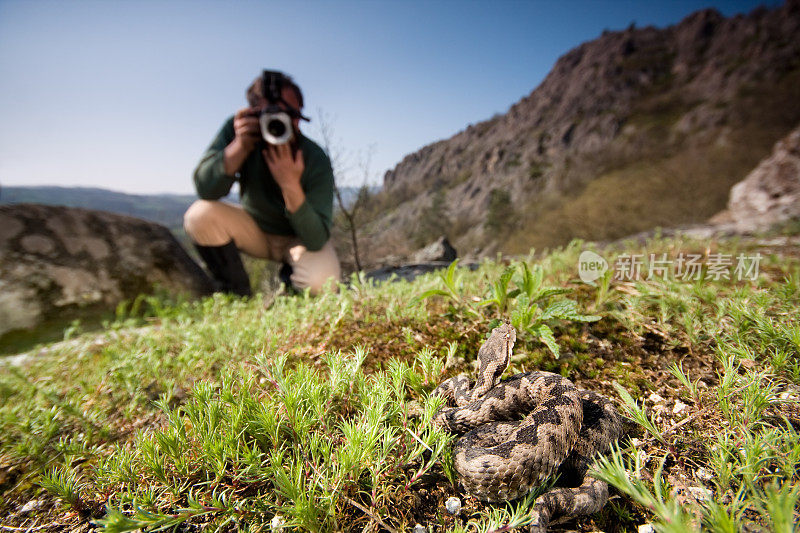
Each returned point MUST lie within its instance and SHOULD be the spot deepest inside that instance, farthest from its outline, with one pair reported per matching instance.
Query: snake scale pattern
(517, 433)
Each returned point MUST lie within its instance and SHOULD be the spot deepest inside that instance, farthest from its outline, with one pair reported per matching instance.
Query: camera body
(275, 120)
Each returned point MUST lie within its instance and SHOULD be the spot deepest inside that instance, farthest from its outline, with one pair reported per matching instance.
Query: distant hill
(636, 129)
(166, 209)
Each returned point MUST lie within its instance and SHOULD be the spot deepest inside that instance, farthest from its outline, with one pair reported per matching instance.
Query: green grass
(314, 413)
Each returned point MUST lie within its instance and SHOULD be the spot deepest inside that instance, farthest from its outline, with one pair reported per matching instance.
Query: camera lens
(276, 128)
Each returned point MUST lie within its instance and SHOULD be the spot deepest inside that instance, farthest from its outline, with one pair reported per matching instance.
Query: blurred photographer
(286, 190)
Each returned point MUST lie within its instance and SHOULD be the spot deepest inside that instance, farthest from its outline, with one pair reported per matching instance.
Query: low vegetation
(314, 413)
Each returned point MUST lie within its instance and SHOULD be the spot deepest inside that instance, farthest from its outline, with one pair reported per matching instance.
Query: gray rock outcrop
(440, 250)
(57, 260)
(770, 194)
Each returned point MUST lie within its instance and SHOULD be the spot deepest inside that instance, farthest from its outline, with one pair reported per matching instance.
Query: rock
(701, 493)
(453, 505)
(412, 271)
(770, 194)
(31, 506)
(441, 250)
(58, 261)
(646, 528)
(679, 407)
(703, 474)
(277, 523)
(655, 398)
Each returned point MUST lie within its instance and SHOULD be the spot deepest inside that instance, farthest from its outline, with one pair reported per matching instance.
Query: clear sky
(126, 95)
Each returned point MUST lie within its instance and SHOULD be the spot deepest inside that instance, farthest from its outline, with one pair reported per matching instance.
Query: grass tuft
(314, 413)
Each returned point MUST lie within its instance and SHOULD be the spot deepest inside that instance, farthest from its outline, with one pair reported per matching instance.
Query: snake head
(494, 357)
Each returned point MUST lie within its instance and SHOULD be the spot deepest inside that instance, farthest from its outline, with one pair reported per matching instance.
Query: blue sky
(126, 95)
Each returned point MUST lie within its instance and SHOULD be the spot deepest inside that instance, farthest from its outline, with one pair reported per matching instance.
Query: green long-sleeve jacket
(261, 196)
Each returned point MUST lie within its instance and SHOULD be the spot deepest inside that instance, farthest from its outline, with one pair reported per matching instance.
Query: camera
(276, 121)
(276, 127)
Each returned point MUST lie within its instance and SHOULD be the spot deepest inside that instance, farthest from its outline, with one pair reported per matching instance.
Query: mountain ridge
(638, 128)
(166, 209)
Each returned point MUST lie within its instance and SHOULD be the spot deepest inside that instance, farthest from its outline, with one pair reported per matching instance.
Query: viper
(516, 434)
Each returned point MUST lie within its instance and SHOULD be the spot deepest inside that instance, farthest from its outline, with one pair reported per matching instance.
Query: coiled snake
(524, 429)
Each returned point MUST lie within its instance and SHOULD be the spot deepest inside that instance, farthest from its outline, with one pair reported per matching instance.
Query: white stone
(655, 398)
(277, 523)
(647, 528)
(703, 474)
(453, 505)
(419, 528)
(701, 493)
(679, 407)
(31, 506)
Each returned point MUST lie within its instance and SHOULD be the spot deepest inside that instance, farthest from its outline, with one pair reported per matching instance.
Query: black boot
(226, 268)
(285, 275)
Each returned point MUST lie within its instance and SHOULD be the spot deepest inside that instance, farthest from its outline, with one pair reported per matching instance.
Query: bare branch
(338, 164)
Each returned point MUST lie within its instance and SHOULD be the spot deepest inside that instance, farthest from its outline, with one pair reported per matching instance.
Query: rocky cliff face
(771, 192)
(638, 128)
(55, 261)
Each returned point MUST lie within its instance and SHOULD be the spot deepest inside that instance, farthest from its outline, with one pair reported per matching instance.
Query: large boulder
(56, 261)
(770, 194)
(440, 250)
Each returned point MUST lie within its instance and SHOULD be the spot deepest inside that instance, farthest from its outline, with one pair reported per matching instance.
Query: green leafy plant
(529, 305)
(536, 309)
(499, 293)
(453, 288)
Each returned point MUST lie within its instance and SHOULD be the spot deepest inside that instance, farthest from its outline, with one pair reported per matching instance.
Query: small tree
(500, 214)
(339, 168)
(433, 221)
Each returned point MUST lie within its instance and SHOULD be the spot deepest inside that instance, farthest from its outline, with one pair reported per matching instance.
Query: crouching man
(286, 190)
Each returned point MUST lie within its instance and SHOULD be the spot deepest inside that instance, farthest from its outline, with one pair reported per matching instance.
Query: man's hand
(247, 128)
(287, 171)
(247, 132)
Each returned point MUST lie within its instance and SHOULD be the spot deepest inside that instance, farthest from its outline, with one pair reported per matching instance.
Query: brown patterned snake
(522, 430)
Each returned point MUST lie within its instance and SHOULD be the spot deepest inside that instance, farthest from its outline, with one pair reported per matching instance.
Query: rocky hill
(636, 129)
(166, 209)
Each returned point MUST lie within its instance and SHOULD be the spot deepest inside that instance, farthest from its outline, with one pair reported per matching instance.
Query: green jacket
(261, 196)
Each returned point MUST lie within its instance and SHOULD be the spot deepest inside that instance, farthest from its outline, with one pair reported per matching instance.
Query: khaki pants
(215, 223)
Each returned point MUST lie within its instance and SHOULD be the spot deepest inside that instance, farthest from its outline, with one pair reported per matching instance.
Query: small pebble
(277, 523)
(647, 528)
(679, 407)
(701, 493)
(655, 398)
(453, 505)
(419, 528)
(31, 506)
(703, 475)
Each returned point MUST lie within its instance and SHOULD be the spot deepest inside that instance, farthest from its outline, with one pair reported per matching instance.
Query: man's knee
(324, 278)
(316, 270)
(200, 217)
